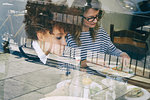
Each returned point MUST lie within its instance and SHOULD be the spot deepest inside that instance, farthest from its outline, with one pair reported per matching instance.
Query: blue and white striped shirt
(102, 44)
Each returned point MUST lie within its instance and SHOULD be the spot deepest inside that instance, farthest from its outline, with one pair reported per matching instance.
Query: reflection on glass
(128, 4)
(47, 28)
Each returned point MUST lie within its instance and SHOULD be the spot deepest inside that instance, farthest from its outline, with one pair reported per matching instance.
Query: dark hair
(37, 18)
(40, 17)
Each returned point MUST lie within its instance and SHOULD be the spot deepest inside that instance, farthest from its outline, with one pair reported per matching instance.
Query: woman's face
(58, 41)
(59, 36)
(54, 42)
(90, 18)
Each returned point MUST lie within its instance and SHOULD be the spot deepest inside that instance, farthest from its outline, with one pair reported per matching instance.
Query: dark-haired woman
(48, 35)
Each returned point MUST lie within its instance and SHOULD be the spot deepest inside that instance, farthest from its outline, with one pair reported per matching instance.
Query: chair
(131, 42)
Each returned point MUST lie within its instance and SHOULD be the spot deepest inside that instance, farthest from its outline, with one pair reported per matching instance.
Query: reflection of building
(125, 14)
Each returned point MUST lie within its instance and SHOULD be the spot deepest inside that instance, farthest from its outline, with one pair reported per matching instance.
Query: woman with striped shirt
(92, 36)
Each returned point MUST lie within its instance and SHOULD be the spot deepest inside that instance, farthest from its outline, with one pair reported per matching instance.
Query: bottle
(86, 81)
(75, 88)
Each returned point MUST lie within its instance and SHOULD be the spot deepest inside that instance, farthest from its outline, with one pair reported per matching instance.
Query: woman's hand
(124, 55)
(125, 59)
(84, 63)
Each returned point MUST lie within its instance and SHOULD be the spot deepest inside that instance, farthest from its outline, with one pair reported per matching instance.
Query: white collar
(39, 51)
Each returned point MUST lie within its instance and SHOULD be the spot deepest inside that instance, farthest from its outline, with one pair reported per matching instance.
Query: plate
(110, 82)
(94, 87)
(63, 83)
(145, 96)
(64, 98)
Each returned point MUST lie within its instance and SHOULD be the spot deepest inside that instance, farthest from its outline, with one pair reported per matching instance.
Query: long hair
(96, 5)
(41, 17)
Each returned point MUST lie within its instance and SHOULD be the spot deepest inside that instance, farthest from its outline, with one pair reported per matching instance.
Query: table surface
(23, 79)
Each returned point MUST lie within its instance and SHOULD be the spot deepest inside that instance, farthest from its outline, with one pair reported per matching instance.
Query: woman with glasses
(92, 36)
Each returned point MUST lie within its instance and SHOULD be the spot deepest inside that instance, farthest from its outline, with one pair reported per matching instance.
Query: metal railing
(140, 67)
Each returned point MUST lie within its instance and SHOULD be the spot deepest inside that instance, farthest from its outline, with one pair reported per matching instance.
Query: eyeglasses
(90, 19)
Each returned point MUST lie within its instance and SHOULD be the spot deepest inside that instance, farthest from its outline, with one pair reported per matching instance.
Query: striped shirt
(102, 44)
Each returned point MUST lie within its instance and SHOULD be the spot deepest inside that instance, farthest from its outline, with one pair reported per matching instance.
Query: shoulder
(101, 29)
(102, 32)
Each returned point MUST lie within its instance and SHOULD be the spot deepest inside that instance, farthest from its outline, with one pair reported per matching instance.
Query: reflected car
(126, 14)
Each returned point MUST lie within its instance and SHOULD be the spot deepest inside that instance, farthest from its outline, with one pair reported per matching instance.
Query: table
(24, 79)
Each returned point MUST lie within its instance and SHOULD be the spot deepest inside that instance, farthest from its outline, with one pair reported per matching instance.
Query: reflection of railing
(95, 58)
(66, 18)
(135, 45)
(115, 63)
(135, 66)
